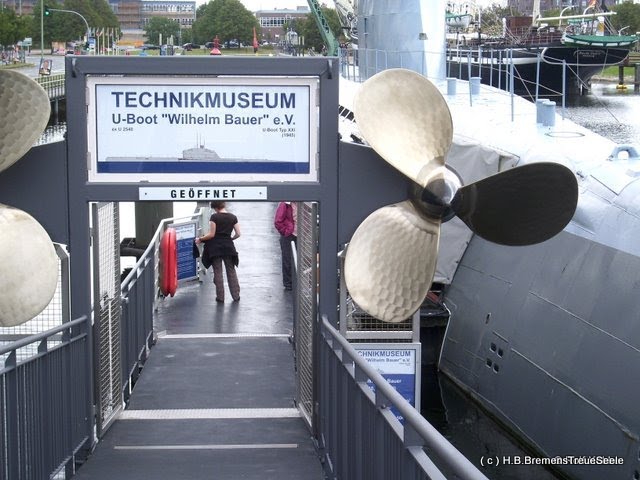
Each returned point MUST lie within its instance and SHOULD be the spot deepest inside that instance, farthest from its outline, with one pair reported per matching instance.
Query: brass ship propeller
(391, 258)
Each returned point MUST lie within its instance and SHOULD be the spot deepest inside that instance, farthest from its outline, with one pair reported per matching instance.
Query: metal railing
(140, 292)
(53, 84)
(496, 67)
(358, 64)
(45, 402)
(362, 438)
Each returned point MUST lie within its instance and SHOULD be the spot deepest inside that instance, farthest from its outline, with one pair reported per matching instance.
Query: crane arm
(327, 35)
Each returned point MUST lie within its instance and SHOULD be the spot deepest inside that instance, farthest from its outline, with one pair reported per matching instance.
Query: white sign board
(194, 129)
(201, 194)
(399, 364)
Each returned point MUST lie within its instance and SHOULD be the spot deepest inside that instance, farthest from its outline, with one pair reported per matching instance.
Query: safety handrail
(38, 337)
(416, 427)
(154, 242)
(54, 84)
(45, 406)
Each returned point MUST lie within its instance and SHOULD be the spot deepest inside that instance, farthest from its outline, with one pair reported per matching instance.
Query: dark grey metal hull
(560, 70)
(547, 339)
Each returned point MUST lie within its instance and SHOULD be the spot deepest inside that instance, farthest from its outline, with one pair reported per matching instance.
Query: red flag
(255, 41)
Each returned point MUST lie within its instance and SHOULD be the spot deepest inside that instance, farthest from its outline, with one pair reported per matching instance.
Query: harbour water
(608, 111)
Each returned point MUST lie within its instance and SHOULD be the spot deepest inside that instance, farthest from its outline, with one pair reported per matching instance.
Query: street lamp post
(75, 13)
(41, 31)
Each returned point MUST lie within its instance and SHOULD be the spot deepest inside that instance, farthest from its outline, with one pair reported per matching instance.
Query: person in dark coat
(219, 249)
(285, 223)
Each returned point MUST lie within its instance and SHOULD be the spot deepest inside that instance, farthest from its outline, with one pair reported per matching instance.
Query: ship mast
(536, 11)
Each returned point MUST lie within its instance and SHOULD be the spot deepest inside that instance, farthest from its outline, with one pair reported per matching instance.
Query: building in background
(128, 13)
(272, 21)
(134, 15)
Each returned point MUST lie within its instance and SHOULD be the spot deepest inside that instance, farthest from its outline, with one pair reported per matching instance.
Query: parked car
(150, 47)
(190, 46)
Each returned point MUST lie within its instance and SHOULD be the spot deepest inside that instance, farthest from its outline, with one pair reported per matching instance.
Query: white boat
(458, 20)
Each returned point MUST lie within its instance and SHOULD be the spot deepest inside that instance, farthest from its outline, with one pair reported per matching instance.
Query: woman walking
(219, 249)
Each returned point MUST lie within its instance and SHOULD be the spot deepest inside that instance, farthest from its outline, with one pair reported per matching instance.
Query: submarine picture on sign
(257, 128)
(199, 153)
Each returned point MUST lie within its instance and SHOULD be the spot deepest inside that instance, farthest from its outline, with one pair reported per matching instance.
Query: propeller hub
(434, 199)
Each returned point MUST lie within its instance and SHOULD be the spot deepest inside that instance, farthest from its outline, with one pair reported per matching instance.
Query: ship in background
(545, 338)
(545, 56)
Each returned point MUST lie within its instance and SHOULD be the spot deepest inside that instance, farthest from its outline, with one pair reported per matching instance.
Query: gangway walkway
(215, 399)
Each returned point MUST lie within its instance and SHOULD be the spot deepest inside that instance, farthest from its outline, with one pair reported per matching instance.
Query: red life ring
(168, 263)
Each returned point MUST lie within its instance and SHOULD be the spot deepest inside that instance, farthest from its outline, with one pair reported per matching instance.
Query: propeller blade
(405, 119)
(28, 267)
(520, 206)
(391, 260)
(25, 107)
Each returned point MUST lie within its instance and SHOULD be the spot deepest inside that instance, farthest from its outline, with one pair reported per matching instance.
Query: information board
(185, 237)
(399, 364)
(195, 129)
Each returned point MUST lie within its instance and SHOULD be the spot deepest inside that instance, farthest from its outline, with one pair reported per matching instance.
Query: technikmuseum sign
(235, 128)
(202, 129)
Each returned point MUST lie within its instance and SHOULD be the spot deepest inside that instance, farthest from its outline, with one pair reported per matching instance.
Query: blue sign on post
(399, 364)
(185, 236)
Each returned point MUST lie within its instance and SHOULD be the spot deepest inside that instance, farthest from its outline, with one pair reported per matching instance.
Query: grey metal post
(512, 83)
(564, 85)
(537, 74)
(491, 60)
(11, 386)
(45, 386)
(500, 68)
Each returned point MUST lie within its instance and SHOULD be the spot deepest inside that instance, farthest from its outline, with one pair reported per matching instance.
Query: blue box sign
(194, 129)
(185, 236)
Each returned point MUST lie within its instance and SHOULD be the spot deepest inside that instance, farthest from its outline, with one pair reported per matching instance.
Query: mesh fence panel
(358, 325)
(56, 313)
(359, 320)
(306, 281)
(107, 312)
